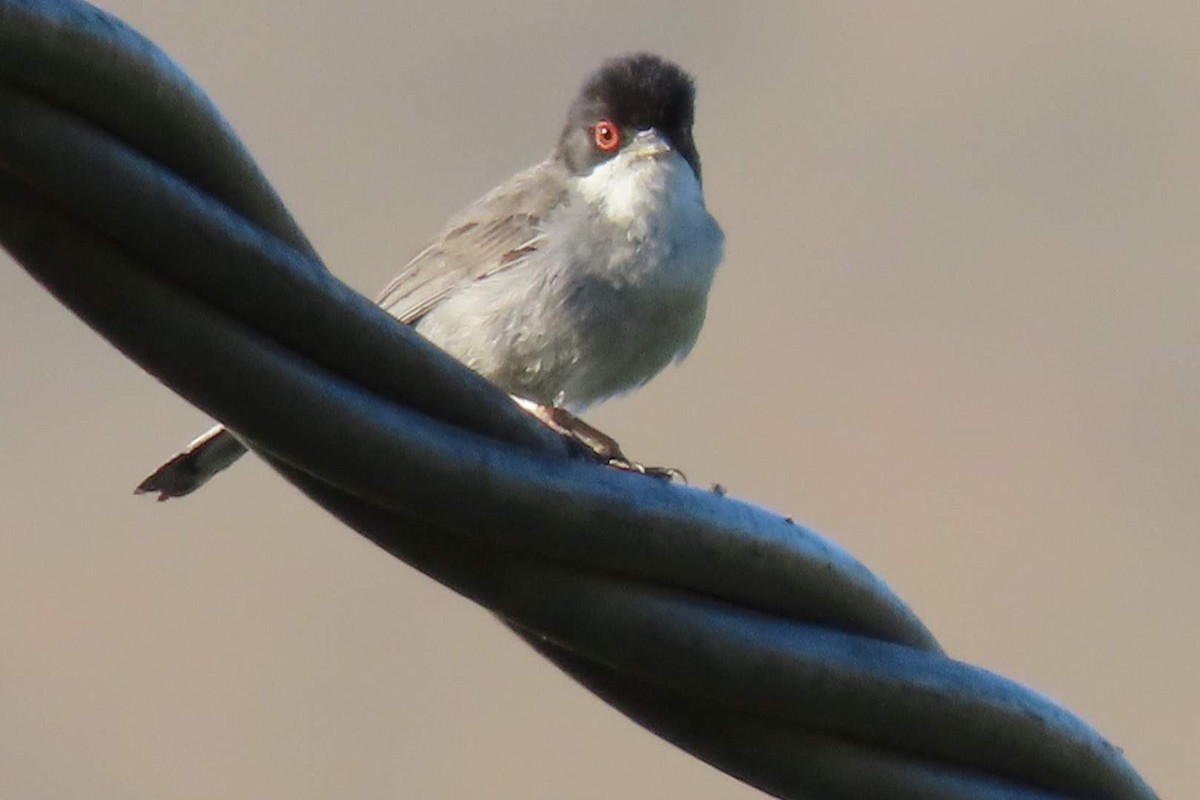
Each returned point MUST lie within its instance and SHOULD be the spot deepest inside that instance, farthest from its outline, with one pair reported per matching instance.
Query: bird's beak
(649, 144)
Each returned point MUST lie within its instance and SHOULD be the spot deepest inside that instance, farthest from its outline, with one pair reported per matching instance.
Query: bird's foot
(663, 473)
(593, 441)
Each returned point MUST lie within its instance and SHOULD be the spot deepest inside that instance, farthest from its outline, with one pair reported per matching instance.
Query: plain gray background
(956, 330)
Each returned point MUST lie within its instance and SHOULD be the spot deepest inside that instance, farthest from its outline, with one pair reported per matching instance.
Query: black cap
(636, 92)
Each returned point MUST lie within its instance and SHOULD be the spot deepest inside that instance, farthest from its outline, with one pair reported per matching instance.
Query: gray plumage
(575, 280)
(488, 236)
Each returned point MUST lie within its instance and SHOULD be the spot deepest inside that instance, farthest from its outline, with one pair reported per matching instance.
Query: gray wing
(496, 232)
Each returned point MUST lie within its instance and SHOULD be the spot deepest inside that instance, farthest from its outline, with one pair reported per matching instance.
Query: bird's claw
(671, 474)
(593, 443)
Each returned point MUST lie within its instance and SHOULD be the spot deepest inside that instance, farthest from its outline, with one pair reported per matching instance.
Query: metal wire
(125, 194)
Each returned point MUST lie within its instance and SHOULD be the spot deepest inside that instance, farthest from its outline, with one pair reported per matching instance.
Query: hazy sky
(956, 331)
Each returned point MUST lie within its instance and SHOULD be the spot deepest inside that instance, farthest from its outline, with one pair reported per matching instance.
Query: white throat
(633, 187)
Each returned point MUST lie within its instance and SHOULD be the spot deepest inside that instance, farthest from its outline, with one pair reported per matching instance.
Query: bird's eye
(607, 136)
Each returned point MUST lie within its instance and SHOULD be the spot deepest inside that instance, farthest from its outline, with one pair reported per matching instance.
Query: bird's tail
(190, 469)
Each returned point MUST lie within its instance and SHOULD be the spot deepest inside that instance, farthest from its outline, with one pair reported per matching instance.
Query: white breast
(616, 289)
(657, 205)
(662, 248)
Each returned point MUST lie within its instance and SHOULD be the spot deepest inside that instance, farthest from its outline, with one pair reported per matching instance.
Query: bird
(574, 280)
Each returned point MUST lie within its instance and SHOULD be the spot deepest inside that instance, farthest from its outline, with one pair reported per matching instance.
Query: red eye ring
(607, 135)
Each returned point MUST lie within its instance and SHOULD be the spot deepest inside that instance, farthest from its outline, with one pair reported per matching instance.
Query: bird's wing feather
(495, 233)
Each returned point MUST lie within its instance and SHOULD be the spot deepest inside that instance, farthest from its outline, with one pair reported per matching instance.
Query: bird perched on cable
(573, 281)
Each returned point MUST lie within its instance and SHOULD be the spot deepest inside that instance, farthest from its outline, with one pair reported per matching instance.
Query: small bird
(575, 280)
